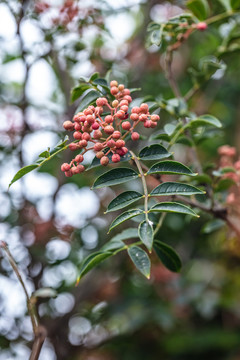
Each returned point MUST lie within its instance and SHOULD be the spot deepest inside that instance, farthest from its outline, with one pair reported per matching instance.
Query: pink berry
(135, 110)
(121, 87)
(153, 124)
(77, 135)
(120, 114)
(115, 103)
(95, 126)
(128, 98)
(120, 143)
(147, 124)
(68, 125)
(155, 117)
(65, 167)
(88, 111)
(143, 117)
(135, 136)
(104, 161)
(82, 143)
(68, 173)
(201, 26)
(73, 146)
(116, 135)
(124, 108)
(97, 134)
(113, 83)
(126, 125)
(77, 127)
(111, 143)
(101, 101)
(134, 117)
(114, 90)
(123, 102)
(79, 158)
(109, 119)
(90, 119)
(109, 129)
(86, 136)
(98, 146)
(99, 154)
(144, 108)
(116, 158)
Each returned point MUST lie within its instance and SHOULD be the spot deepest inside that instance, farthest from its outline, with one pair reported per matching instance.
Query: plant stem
(38, 330)
(137, 162)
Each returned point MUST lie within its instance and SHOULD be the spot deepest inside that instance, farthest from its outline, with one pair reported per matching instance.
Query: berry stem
(138, 164)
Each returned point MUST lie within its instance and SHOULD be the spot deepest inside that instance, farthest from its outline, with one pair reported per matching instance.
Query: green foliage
(123, 200)
(115, 177)
(168, 256)
(140, 259)
(199, 8)
(145, 231)
(173, 188)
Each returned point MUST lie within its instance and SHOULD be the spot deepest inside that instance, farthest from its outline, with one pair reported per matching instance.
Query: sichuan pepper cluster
(104, 127)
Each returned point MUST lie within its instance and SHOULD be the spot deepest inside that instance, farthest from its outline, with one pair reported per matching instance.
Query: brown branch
(39, 331)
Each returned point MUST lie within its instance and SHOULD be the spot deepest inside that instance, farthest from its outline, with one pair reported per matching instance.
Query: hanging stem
(137, 162)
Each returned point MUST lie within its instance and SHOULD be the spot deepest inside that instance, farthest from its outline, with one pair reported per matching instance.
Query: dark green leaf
(126, 234)
(145, 231)
(174, 188)
(125, 216)
(168, 256)
(224, 184)
(88, 99)
(123, 200)
(235, 4)
(93, 260)
(154, 152)
(170, 167)
(204, 120)
(113, 245)
(212, 225)
(199, 8)
(78, 91)
(114, 177)
(94, 76)
(226, 4)
(22, 172)
(140, 259)
(173, 207)
(96, 161)
(44, 154)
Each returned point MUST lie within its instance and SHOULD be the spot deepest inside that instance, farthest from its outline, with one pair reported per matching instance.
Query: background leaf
(168, 256)
(200, 8)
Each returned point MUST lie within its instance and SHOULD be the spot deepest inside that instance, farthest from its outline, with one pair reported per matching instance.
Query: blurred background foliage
(51, 223)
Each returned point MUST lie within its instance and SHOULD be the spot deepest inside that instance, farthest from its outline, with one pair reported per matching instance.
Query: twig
(39, 331)
(169, 75)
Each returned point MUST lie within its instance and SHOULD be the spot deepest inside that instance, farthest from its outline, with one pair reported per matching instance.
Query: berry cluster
(106, 125)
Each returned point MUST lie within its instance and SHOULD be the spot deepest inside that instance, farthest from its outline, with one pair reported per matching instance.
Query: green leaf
(173, 207)
(94, 76)
(96, 161)
(78, 91)
(204, 120)
(226, 4)
(45, 293)
(199, 8)
(123, 200)
(113, 245)
(93, 260)
(62, 143)
(88, 99)
(126, 234)
(114, 177)
(140, 259)
(145, 231)
(154, 152)
(125, 216)
(170, 167)
(44, 154)
(235, 4)
(22, 172)
(168, 256)
(174, 188)
(212, 226)
(224, 184)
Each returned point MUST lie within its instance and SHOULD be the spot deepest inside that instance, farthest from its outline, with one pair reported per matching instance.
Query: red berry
(98, 146)
(79, 158)
(143, 117)
(77, 127)
(153, 124)
(81, 168)
(123, 102)
(126, 125)
(135, 136)
(82, 143)
(120, 114)
(147, 124)
(68, 125)
(104, 161)
(116, 135)
(144, 108)
(109, 119)
(77, 135)
(97, 134)
(116, 158)
(90, 119)
(128, 98)
(155, 117)
(83, 118)
(87, 129)
(99, 110)
(124, 108)
(120, 143)
(73, 146)
(65, 167)
(111, 143)
(109, 129)
(125, 150)
(68, 173)
(88, 111)
(135, 110)
(201, 26)
(115, 103)
(86, 136)
(114, 90)
(134, 117)
(99, 154)
(101, 101)
(95, 126)
(126, 92)
(113, 83)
